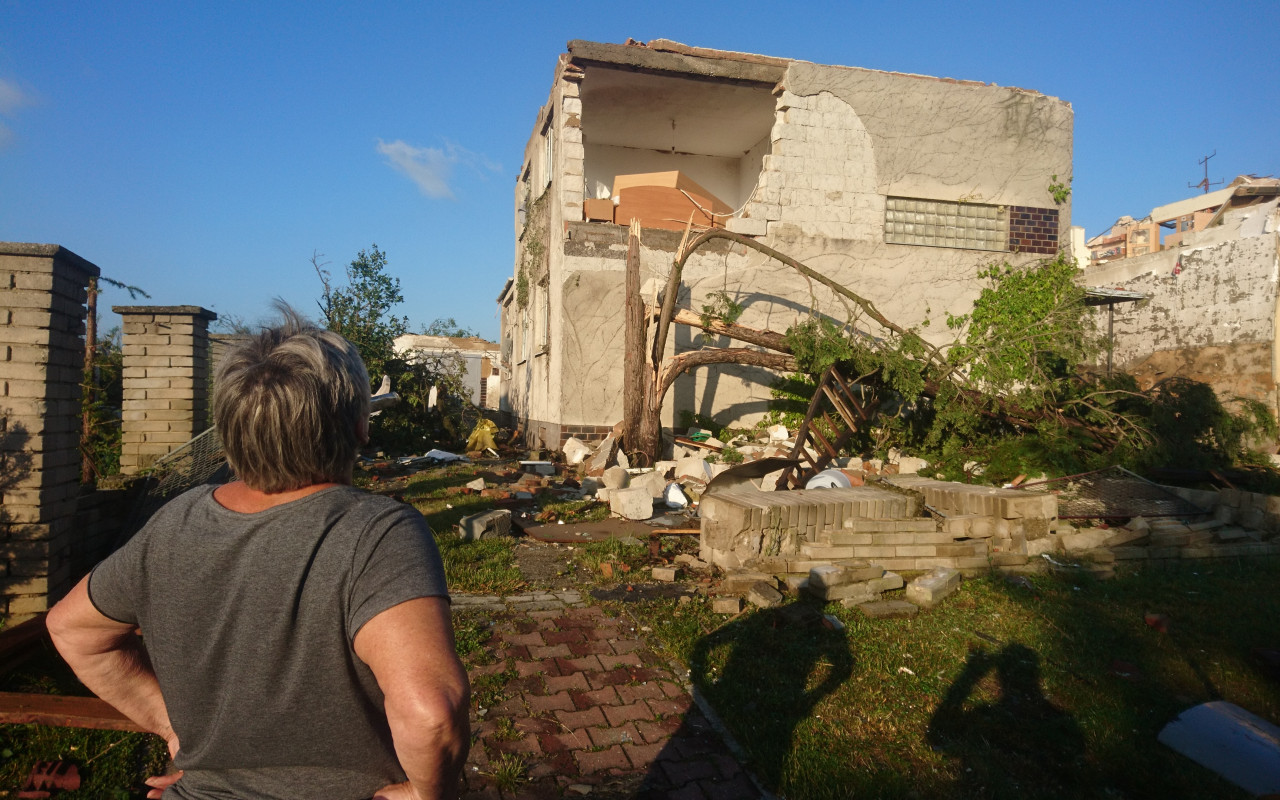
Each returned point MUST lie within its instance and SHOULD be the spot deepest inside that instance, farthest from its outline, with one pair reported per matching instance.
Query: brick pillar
(166, 380)
(42, 297)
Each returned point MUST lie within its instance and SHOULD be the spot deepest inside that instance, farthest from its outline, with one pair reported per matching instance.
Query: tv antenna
(1204, 184)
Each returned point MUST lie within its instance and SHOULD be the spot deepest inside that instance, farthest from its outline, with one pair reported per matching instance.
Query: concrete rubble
(485, 525)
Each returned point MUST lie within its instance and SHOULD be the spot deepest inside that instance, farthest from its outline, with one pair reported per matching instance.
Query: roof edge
(682, 61)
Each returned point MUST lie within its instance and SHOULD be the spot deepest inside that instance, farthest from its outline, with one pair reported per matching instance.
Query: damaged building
(1209, 296)
(901, 187)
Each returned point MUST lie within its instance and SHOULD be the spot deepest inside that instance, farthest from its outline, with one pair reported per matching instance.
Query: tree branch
(684, 362)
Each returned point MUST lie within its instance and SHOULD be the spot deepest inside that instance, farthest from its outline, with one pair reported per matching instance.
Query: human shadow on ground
(763, 674)
(996, 721)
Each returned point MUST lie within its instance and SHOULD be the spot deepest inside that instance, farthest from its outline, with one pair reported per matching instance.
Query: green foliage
(412, 426)
(448, 326)
(690, 419)
(731, 455)
(522, 288)
(534, 249)
(1058, 190)
(1011, 395)
(102, 390)
(361, 310)
(720, 306)
(1027, 331)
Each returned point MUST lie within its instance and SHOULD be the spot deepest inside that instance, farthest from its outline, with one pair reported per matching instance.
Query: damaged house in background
(1211, 292)
(901, 187)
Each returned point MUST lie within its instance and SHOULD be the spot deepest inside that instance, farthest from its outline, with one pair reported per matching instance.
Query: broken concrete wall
(843, 143)
(1211, 308)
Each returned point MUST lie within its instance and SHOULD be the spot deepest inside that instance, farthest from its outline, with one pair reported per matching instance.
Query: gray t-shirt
(249, 620)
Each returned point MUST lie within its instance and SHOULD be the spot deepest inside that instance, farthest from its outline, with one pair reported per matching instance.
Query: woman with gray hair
(298, 642)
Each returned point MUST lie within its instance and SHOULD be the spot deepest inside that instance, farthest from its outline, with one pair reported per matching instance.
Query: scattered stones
(485, 525)
(651, 481)
(476, 485)
(575, 451)
(631, 503)
(837, 575)
(740, 582)
(615, 478)
(763, 594)
(929, 590)
(665, 574)
(603, 456)
(691, 562)
(726, 605)
(693, 467)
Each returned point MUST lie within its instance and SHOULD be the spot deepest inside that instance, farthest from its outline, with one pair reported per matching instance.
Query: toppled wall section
(969, 528)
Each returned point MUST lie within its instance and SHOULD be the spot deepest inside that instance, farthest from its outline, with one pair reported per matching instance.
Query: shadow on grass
(1122, 679)
(764, 673)
(998, 742)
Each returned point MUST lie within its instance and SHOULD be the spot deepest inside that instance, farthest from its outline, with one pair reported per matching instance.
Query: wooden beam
(61, 711)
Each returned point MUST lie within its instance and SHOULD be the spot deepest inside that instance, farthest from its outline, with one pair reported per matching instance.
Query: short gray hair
(287, 403)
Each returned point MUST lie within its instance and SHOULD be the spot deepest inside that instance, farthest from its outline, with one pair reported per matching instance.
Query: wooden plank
(61, 711)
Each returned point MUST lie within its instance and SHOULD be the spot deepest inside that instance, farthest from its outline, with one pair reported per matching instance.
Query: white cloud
(11, 97)
(432, 167)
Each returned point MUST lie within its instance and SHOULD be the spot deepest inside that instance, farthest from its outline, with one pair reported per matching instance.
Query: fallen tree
(1010, 386)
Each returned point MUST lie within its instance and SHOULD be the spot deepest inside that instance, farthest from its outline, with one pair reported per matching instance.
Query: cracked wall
(1211, 308)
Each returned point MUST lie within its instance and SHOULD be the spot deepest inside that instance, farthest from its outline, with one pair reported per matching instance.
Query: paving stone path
(588, 709)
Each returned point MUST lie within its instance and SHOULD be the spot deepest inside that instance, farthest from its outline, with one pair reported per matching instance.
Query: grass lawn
(1053, 687)
(1058, 689)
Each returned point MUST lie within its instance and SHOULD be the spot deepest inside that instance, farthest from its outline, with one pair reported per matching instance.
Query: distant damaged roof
(1097, 296)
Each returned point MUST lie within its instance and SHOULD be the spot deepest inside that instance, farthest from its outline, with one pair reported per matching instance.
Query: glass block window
(938, 223)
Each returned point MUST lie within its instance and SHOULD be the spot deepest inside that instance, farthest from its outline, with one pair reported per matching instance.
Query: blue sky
(204, 151)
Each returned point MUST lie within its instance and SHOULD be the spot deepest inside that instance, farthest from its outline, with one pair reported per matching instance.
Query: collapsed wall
(968, 528)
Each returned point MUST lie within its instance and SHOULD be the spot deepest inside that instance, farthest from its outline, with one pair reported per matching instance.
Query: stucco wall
(1211, 312)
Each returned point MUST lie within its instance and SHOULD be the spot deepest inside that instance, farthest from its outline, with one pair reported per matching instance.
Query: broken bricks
(764, 595)
(485, 525)
(726, 605)
(631, 503)
(929, 590)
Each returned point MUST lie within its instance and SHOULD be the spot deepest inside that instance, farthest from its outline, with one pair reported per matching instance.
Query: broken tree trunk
(633, 360)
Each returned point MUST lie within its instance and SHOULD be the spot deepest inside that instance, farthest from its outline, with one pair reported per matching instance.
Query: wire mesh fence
(201, 460)
(1113, 493)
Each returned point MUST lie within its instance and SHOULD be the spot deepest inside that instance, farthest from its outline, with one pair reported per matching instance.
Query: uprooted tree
(1009, 390)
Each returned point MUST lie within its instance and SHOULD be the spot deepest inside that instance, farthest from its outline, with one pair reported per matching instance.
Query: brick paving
(587, 709)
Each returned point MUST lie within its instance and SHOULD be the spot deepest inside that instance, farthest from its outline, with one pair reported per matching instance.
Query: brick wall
(166, 380)
(42, 297)
(1033, 230)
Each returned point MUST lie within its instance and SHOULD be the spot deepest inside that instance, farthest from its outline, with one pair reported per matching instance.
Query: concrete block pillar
(42, 310)
(166, 380)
